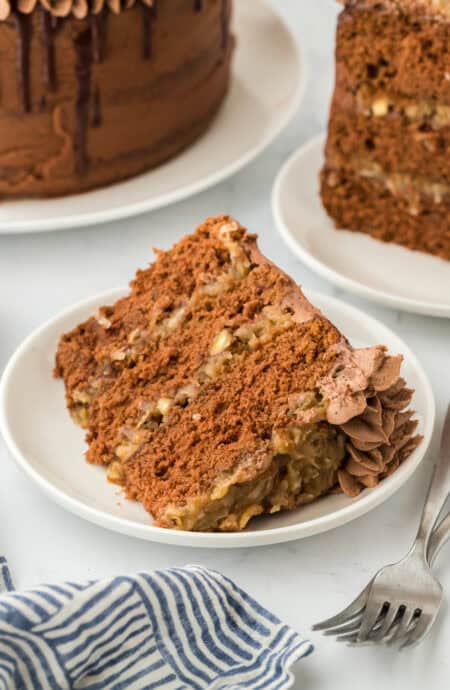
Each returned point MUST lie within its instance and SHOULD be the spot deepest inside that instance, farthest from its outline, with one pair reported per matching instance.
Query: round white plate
(385, 273)
(266, 89)
(49, 447)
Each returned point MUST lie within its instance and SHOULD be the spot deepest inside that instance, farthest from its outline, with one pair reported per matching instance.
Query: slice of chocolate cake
(215, 391)
(387, 172)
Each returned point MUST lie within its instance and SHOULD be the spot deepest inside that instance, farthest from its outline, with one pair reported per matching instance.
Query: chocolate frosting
(62, 8)
(63, 62)
(366, 398)
(302, 308)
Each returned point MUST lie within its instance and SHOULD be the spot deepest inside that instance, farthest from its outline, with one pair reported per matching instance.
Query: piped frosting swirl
(366, 398)
(63, 8)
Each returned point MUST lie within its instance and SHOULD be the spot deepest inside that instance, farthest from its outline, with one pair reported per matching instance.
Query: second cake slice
(387, 172)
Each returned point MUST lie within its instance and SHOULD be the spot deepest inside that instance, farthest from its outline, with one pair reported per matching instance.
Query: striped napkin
(175, 629)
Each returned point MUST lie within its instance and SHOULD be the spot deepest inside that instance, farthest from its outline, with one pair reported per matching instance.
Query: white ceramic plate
(265, 92)
(385, 273)
(49, 447)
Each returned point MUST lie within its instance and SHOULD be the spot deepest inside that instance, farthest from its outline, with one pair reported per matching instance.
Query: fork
(402, 601)
(347, 621)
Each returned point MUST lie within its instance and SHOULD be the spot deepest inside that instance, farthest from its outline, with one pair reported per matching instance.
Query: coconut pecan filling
(381, 104)
(301, 465)
(411, 188)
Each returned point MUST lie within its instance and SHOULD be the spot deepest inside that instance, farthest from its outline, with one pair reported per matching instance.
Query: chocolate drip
(199, 5)
(83, 48)
(97, 104)
(149, 15)
(47, 34)
(24, 30)
(224, 18)
(55, 22)
(98, 28)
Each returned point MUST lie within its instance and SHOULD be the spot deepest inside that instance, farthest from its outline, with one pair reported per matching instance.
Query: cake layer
(86, 102)
(401, 136)
(394, 208)
(396, 46)
(215, 391)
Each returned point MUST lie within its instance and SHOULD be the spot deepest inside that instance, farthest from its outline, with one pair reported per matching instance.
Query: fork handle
(437, 495)
(436, 498)
(438, 539)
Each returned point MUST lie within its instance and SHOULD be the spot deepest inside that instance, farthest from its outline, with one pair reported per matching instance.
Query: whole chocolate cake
(93, 92)
(214, 391)
(387, 171)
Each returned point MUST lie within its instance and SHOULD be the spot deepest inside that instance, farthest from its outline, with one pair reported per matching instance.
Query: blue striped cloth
(173, 629)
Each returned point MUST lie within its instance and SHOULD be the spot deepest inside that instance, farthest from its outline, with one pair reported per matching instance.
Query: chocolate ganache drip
(225, 15)
(24, 30)
(83, 47)
(149, 15)
(97, 106)
(98, 28)
(48, 28)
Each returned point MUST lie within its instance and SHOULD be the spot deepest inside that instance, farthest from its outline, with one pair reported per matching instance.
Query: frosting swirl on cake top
(368, 400)
(63, 8)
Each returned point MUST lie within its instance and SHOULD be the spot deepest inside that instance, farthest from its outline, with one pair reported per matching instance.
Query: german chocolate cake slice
(387, 172)
(214, 391)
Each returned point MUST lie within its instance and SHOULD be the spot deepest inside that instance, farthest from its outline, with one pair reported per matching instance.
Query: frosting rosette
(63, 8)
(366, 397)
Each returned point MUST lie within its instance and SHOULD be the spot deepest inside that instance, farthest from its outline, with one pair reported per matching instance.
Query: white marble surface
(303, 581)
